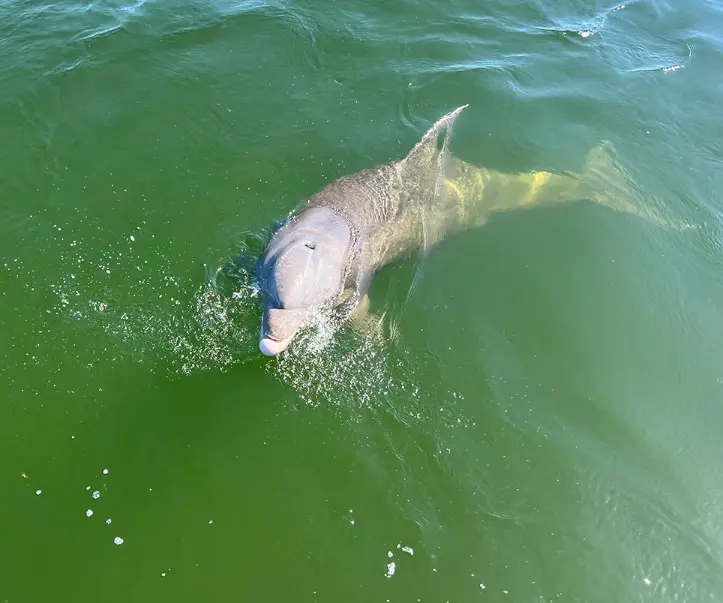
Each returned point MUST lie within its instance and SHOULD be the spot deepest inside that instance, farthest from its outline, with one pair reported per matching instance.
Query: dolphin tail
(607, 183)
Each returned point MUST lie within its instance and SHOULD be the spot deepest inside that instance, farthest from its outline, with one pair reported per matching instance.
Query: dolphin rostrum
(325, 256)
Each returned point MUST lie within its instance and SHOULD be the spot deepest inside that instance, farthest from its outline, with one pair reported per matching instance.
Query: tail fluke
(606, 182)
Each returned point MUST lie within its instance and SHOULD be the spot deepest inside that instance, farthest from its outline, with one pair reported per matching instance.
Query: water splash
(126, 307)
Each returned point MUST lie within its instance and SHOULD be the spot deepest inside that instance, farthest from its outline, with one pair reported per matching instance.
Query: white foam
(391, 569)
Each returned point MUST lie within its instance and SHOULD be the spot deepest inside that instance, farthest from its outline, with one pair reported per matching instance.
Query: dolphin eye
(310, 245)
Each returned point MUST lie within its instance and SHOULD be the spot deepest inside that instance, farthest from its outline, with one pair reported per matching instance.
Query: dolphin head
(301, 270)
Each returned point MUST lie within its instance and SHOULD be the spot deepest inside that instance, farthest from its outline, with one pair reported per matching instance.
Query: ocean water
(538, 419)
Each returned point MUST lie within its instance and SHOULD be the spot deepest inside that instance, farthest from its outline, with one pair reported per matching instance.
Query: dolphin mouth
(271, 346)
(278, 329)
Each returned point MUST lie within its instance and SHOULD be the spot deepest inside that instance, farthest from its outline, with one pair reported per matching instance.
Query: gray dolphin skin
(325, 256)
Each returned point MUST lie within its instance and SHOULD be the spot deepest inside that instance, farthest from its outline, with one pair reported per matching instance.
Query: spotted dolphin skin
(325, 256)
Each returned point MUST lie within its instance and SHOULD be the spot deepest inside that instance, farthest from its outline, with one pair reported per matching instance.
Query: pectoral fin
(365, 322)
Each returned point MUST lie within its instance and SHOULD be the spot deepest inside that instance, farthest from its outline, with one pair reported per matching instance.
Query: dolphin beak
(273, 347)
(278, 330)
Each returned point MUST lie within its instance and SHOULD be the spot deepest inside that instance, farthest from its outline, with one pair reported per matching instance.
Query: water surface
(540, 420)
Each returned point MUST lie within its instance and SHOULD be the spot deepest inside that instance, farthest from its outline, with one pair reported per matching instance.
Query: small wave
(510, 61)
(634, 38)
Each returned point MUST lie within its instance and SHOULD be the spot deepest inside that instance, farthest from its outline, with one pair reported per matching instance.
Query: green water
(541, 421)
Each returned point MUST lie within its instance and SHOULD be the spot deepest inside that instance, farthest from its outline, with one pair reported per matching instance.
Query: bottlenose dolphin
(324, 256)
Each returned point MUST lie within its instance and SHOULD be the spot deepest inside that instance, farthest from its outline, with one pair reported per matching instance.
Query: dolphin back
(387, 206)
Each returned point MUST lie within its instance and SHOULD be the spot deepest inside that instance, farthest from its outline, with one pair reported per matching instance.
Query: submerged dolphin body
(325, 256)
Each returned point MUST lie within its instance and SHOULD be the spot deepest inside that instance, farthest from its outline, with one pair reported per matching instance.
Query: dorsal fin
(427, 146)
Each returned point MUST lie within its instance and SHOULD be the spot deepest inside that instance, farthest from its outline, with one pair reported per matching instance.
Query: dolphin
(325, 256)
